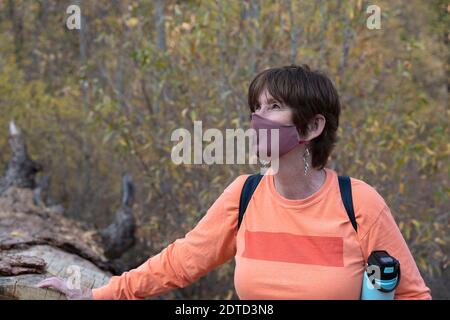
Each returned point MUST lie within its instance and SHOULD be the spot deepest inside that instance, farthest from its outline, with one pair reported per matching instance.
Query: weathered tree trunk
(119, 235)
(37, 241)
(20, 170)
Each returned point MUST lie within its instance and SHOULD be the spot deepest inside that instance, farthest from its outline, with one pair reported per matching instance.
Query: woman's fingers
(61, 286)
(47, 282)
(54, 282)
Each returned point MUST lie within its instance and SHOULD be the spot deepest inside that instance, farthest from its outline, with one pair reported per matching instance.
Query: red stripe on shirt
(287, 247)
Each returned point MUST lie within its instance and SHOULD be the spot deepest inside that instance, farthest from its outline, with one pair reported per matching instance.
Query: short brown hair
(308, 93)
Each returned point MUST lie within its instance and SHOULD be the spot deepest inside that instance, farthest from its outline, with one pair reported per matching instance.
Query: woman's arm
(211, 243)
(384, 234)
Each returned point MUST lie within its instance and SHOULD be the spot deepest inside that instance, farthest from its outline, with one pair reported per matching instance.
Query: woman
(296, 240)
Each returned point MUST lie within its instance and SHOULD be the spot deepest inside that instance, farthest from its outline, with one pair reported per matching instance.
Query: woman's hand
(60, 285)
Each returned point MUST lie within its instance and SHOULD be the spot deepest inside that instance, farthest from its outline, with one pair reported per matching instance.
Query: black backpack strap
(246, 194)
(346, 194)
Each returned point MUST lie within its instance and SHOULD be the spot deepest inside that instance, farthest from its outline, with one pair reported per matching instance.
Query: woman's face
(276, 111)
(273, 110)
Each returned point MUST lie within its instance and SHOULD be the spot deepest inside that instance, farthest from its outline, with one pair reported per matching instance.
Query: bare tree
(160, 25)
(346, 41)
(16, 16)
(120, 234)
(21, 169)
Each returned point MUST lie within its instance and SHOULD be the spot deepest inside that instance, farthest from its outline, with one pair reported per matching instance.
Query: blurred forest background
(105, 99)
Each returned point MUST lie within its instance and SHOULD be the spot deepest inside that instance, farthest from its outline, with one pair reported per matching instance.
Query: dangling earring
(305, 159)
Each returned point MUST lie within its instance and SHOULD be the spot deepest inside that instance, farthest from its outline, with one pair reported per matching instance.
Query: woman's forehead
(266, 97)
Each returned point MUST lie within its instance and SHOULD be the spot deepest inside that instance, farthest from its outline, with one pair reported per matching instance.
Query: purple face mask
(287, 134)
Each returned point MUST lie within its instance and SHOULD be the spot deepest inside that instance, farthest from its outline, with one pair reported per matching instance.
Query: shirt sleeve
(384, 234)
(209, 244)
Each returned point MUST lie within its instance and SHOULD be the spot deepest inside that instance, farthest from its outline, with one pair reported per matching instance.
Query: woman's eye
(276, 106)
(257, 107)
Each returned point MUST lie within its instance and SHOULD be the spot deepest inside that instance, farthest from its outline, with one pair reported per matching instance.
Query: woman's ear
(315, 127)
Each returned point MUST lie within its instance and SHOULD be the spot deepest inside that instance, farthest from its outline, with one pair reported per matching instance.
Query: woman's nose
(261, 110)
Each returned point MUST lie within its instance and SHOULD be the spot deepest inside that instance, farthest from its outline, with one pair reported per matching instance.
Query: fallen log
(43, 261)
(37, 242)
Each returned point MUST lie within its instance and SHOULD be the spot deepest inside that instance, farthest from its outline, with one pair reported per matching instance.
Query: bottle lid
(383, 270)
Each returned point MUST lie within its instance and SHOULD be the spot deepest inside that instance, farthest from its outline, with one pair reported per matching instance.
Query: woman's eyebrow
(272, 100)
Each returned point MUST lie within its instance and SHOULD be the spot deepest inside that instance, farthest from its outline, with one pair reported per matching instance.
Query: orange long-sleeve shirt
(285, 249)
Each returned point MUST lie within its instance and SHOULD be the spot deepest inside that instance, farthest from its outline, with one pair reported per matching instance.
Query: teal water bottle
(381, 277)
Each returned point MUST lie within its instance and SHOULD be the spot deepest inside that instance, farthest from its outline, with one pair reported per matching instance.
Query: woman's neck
(290, 180)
